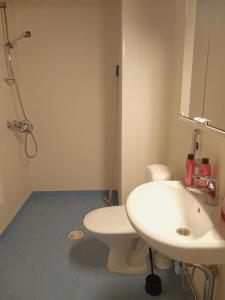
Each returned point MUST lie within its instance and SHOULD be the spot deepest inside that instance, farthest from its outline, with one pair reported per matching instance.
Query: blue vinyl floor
(39, 262)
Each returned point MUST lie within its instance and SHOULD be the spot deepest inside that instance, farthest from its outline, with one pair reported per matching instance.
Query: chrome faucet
(210, 190)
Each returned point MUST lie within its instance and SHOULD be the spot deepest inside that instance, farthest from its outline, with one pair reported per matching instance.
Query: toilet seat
(114, 218)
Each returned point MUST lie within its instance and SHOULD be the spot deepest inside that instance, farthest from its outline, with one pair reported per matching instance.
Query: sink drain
(75, 235)
(183, 231)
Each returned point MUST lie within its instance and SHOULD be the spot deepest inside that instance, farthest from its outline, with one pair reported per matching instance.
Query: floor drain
(183, 231)
(75, 235)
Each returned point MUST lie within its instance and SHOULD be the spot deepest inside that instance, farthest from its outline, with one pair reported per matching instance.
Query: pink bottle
(204, 170)
(223, 211)
(190, 169)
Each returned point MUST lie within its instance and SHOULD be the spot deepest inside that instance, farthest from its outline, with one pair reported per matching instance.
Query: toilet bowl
(128, 253)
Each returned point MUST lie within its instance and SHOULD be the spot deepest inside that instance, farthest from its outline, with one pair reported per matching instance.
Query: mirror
(203, 85)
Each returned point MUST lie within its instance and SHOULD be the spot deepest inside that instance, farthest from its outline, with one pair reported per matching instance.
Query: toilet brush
(153, 283)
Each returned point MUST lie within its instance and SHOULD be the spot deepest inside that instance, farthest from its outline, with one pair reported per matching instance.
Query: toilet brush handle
(151, 259)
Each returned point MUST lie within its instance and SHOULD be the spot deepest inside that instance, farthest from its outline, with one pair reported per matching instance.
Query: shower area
(25, 126)
(59, 63)
(78, 98)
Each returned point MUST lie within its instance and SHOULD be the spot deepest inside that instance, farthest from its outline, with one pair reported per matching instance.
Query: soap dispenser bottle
(223, 210)
(204, 170)
(190, 169)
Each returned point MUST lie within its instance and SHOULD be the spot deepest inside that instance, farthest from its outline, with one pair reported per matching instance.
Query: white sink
(158, 209)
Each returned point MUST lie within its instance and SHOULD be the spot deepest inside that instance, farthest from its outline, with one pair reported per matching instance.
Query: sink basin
(177, 222)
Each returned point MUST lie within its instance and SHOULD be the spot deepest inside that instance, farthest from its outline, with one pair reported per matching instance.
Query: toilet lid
(109, 220)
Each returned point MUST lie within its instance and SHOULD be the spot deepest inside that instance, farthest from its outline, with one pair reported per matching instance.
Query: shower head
(25, 34)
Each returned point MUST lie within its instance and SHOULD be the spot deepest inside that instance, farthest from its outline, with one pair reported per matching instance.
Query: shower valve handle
(24, 126)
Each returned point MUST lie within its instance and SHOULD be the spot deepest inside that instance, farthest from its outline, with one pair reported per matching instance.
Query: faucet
(211, 191)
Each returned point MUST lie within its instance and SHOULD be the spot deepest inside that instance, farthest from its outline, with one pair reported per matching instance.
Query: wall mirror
(203, 84)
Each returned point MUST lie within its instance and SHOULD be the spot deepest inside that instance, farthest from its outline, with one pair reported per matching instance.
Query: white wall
(212, 145)
(15, 185)
(60, 89)
(146, 92)
(68, 85)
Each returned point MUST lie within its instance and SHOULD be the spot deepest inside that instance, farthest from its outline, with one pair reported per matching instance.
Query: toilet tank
(158, 172)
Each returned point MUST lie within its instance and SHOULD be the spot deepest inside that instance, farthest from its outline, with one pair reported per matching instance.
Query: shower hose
(29, 131)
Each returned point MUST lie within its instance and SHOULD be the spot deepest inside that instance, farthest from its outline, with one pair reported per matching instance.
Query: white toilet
(128, 253)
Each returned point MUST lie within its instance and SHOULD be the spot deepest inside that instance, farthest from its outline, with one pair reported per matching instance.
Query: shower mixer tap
(24, 126)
